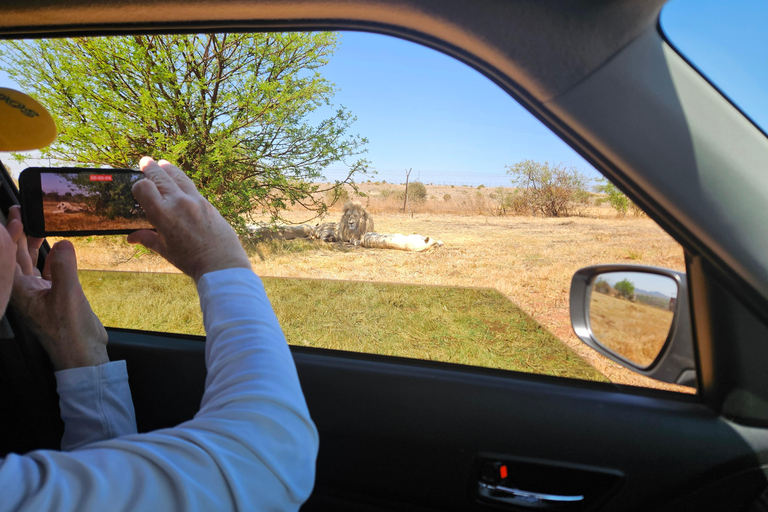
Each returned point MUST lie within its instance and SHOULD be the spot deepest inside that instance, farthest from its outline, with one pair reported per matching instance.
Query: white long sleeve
(252, 445)
(95, 403)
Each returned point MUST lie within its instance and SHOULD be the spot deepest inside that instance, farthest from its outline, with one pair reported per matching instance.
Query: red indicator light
(503, 472)
(100, 177)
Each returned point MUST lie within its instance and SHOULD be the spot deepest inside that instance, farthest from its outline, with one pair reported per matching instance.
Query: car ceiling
(546, 46)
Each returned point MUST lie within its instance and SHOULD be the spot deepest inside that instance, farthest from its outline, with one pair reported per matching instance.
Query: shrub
(417, 191)
(551, 190)
(614, 196)
(626, 289)
(337, 195)
(447, 197)
(602, 287)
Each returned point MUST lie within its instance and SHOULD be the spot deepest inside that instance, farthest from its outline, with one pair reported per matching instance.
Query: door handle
(520, 498)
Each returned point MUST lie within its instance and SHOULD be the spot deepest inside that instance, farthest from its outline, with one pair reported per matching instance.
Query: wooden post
(405, 201)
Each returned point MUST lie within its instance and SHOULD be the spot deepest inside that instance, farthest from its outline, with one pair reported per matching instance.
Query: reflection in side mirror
(637, 316)
(630, 313)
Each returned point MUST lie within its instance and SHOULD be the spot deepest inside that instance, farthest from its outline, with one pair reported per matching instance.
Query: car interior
(400, 434)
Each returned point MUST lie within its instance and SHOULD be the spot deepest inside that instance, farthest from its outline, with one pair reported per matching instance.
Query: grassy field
(477, 327)
(528, 260)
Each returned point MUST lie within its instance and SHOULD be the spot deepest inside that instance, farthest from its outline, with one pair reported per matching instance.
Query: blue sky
(425, 111)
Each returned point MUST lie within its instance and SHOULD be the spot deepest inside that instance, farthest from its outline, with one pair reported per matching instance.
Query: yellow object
(24, 123)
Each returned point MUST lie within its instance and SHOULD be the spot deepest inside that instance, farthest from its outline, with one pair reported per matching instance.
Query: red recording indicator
(100, 177)
(503, 472)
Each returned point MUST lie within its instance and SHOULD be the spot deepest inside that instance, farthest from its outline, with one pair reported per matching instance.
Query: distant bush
(480, 186)
(337, 195)
(503, 202)
(447, 197)
(625, 288)
(614, 196)
(551, 190)
(603, 287)
(417, 191)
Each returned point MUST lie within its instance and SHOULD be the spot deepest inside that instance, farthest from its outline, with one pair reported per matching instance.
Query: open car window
(498, 213)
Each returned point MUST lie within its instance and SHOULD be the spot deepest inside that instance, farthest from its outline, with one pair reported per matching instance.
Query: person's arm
(94, 396)
(252, 446)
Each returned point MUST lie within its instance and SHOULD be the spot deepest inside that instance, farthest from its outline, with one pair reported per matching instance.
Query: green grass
(471, 326)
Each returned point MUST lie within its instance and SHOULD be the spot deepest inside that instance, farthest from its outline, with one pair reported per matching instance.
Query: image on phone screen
(91, 201)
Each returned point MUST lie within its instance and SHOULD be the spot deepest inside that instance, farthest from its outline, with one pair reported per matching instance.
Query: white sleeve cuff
(95, 404)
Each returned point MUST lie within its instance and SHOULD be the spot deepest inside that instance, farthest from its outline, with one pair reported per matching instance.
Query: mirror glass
(630, 313)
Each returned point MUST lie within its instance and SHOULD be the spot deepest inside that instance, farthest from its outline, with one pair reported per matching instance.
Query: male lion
(354, 223)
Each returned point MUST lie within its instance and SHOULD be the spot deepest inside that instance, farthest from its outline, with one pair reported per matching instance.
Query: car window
(727, 42)
(498, 214)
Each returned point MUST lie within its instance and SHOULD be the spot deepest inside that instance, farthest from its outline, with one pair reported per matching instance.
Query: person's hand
(7, 261)
(191, 234)
(54, 304)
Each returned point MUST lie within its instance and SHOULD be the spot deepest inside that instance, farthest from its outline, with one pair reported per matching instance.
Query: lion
(65, 207)
(325, 232)
(354, 223)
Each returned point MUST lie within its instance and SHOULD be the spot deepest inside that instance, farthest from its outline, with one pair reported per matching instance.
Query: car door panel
(397, 432)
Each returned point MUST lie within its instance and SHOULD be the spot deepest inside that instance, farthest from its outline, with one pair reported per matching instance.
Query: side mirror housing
(637, 316)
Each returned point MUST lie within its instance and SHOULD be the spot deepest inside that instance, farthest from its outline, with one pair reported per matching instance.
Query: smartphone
(73, 201)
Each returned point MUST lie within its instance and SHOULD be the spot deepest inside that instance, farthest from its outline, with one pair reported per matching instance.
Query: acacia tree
(241, 114)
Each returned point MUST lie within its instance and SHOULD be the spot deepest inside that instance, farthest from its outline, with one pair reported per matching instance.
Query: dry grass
(85, 220)
(635, 331)
(529, 260)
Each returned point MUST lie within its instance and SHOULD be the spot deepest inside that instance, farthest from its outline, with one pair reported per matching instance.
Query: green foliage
(614, 196)
(550, 190)
(446, 197)
(417, 191)
(231, 110)
(625, 288)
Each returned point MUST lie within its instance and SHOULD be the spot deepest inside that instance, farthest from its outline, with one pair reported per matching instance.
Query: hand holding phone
(76, 202)
(191, 233)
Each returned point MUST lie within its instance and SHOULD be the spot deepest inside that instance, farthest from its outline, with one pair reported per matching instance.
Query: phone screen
(81, 201)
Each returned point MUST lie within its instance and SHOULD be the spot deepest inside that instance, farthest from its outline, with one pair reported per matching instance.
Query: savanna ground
(496, 294)
(84, 220)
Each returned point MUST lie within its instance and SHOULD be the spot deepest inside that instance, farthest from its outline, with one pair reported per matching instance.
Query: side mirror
(637, 316)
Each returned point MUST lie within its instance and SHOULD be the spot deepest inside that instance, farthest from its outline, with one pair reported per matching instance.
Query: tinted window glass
(728, 43)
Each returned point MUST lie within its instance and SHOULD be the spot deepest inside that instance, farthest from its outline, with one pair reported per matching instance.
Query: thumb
(62, 265)
(147, 238)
